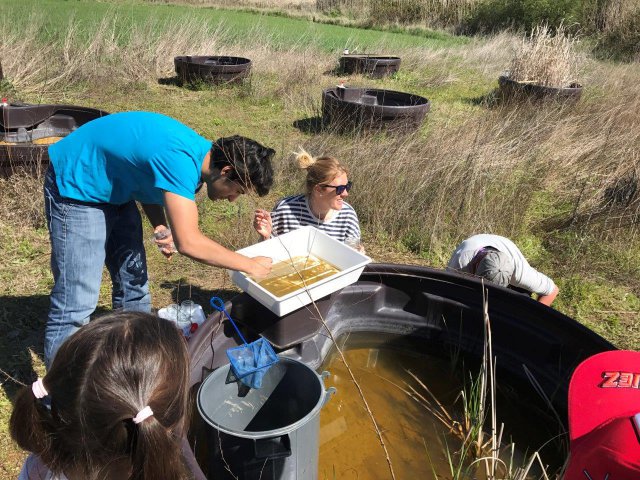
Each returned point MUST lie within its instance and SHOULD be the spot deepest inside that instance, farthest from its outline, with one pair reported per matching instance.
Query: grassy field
(539, 175)
(239, 26)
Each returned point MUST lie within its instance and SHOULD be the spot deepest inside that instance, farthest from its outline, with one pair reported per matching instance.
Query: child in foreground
(112, 405)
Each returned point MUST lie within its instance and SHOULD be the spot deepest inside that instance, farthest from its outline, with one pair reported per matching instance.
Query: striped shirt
(293, 212)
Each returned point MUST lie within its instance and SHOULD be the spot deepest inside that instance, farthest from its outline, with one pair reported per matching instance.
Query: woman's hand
(262, 223)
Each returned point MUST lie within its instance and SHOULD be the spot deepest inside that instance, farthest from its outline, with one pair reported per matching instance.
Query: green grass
(283, 32)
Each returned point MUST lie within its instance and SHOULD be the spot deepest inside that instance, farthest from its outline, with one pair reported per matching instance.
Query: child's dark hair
(251, 162)
(101, 377)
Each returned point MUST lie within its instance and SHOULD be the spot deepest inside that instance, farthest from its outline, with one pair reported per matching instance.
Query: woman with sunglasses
(323, 204)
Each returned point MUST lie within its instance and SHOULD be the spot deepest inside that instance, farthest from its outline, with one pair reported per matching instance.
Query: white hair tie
(38, 389)
(143, 414)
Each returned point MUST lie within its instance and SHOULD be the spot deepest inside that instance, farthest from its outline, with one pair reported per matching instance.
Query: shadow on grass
(309, 125)
(22, 321)
(22, 324)
(175, 81)
(489, 100)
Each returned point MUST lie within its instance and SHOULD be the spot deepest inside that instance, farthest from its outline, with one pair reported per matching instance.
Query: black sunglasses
(339, 188)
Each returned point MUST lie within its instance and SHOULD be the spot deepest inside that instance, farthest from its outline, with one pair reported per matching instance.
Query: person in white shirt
(500, 261)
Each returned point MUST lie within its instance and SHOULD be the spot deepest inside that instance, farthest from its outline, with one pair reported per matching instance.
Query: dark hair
(251, 162)
(101, 377)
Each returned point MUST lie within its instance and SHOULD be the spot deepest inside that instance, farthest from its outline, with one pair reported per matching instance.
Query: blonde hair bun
(304, 159)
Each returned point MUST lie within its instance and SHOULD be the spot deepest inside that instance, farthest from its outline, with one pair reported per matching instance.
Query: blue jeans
(84, 236)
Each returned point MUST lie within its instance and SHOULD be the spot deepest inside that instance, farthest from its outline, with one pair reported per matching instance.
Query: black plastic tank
(349, 109)
(375, 66)
(512, 90)
(439, 311)
(26, 131)
(211, 69)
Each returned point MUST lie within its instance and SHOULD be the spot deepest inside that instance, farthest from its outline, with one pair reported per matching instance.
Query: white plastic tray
(303, 241)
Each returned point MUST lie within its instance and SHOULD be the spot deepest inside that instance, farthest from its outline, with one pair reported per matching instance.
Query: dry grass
(546, 58)
(480, 170)
(19, 205)
(431, 13)
(144, 52)
(110, 55)
(616, 19)
(491, 172)
(269, 4)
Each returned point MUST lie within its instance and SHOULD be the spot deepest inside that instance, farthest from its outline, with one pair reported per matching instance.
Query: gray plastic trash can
(268, 433)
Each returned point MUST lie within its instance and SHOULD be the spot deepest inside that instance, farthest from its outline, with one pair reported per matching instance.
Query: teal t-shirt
(129, 156)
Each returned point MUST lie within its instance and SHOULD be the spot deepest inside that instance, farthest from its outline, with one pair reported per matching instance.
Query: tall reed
(546, 57)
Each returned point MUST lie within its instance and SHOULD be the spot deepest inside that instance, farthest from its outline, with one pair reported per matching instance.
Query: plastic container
(303, 241)
(187, 325)
(353, 242)
(271, 433)
(215, 69)
(439, 313)
(376, 66)
(513, 90)
(161, 235)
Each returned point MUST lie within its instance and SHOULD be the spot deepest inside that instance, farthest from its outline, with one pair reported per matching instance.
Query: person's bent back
(500, 261)
(113, 404)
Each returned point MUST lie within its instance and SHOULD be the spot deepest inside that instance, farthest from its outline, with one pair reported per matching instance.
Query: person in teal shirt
(96, 176)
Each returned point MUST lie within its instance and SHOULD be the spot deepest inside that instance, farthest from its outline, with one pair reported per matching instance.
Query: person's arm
(189, 240)
(534, 281)
(460, 260)
(548, 299)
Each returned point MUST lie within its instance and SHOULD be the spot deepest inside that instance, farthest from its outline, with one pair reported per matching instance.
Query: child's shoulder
(35, 469)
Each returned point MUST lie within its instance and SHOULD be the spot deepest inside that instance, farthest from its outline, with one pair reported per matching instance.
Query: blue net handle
(218, 304)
